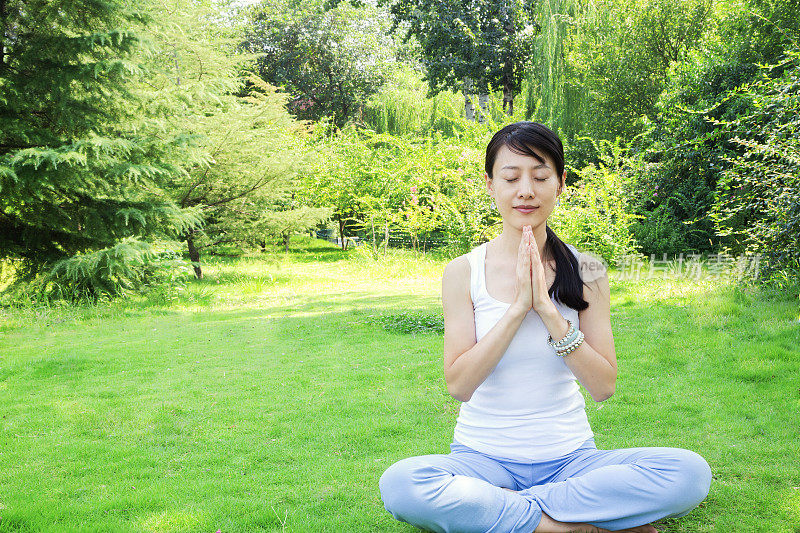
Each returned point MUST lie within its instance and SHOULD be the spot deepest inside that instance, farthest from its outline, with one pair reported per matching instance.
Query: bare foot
(647, 528)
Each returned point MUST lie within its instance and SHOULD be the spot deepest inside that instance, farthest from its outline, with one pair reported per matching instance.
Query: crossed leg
(592, 491)
(459, 492)
(626, 488)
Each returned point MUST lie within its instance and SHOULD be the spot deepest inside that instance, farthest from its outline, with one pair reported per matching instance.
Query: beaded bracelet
(568, 350)
(569, 343)
(569, 337)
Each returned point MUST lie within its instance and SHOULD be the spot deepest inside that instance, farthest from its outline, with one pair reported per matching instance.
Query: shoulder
(590, 267)
(456, 292)
(457, 272)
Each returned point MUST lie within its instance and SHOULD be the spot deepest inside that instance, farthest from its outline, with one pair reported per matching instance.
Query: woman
(527, 315)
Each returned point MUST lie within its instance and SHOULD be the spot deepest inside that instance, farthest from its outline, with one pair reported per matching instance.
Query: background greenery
(208, 127)
(165, 367)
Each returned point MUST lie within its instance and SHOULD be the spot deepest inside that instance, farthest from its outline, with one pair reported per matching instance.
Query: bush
(759, 196)
(659, 232)
(118, 270)
(594, 213)
(413, 322)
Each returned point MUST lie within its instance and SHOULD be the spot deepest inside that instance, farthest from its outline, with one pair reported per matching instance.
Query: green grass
(272, 395)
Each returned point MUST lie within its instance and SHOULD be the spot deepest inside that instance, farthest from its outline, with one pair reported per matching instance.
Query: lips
(526, 209)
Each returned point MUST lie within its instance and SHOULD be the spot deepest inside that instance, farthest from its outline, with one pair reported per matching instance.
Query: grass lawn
(269, 397)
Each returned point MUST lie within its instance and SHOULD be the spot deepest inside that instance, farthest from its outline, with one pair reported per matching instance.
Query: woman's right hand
(523, 299)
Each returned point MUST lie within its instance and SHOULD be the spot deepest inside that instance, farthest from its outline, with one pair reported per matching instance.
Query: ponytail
(568, 285)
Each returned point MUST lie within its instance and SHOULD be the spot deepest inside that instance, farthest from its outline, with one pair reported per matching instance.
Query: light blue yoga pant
(612, 489)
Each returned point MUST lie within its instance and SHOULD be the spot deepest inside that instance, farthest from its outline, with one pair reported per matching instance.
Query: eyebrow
(514, 167)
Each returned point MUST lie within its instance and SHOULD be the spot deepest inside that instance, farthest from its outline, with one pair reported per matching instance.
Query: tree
(285, 223)
(470, 46)
(686, 151)
(83, 161)
(600, 67)
(349, 173)
(252, 147)
(329, 60)
(256, 152)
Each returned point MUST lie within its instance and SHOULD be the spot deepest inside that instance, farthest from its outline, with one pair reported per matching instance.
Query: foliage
(285, 223)
(329, 60)
(758, 202)
(594, 213)
(413, 322)
(257, 151)
(601, 66)
(83, 158)
(251, 146)
(552, 95)
(353, 179)
(628, 69)
(471, 46)
(377, 182)
(685, 152)
(127, 267)
(402, 107)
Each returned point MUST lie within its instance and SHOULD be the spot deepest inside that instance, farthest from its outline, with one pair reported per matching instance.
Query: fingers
(524, 259)
(523, 295)
(533, 250)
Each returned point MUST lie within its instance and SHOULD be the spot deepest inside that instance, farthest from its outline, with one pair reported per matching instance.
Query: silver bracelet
(568, 338)
(572, 347)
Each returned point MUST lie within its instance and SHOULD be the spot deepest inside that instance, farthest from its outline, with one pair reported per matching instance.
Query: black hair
(521, 138)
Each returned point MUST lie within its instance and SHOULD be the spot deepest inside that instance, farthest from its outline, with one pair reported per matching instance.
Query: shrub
(413, 322)
(759, 196)
(594, 213)
(128, 266)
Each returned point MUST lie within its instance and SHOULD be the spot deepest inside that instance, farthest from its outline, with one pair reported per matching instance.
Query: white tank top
(530, 407)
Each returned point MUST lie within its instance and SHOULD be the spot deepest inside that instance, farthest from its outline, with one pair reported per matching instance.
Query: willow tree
(554, 94)
(601, 65)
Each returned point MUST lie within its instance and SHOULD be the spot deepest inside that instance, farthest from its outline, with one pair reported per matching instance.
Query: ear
(489, 187)
(563, 182)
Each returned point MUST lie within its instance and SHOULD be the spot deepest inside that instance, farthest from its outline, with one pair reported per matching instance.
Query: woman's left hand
(540, 298)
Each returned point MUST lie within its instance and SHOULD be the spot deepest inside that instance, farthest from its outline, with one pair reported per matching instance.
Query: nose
(525, 187)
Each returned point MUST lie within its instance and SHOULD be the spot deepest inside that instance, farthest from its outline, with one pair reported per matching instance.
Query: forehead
(506, 159)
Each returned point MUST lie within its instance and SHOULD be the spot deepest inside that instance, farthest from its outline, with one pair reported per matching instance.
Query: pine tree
(83, 156)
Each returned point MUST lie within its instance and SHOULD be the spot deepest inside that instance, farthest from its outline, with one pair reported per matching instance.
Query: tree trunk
(341, 234)
(483, 103)
(374, 245)
(194, 256)
(286, 237)
(508, 99)
(469, 108)
(385, 239)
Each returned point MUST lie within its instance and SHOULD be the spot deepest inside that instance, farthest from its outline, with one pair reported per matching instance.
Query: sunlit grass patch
(275, 402)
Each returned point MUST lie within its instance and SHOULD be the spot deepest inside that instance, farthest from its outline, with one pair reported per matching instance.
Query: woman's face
(524, 189)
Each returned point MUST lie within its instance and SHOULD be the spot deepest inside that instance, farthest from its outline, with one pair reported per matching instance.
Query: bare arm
(594, 362)
(468, 363)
